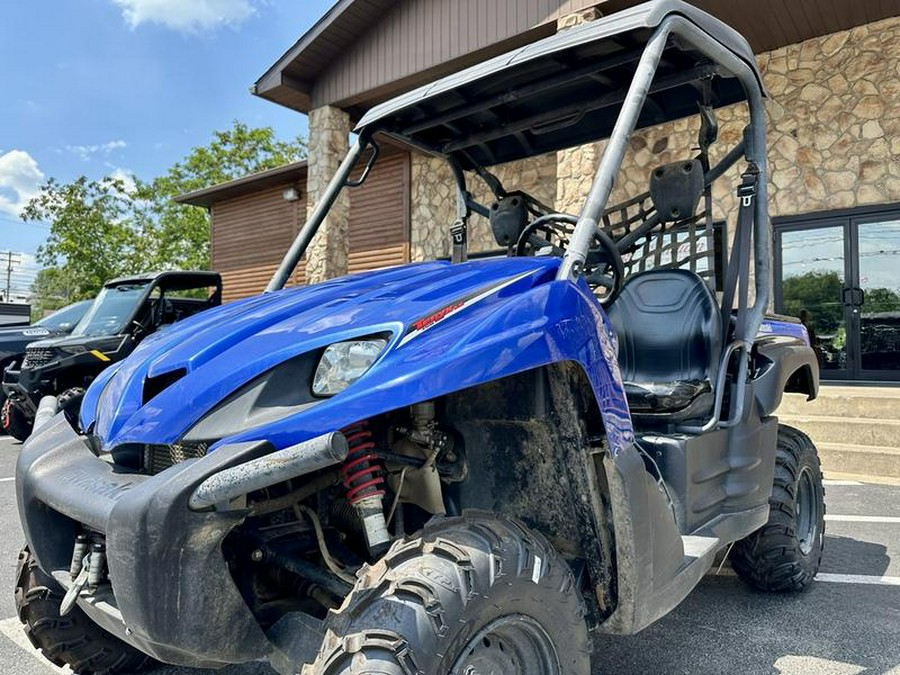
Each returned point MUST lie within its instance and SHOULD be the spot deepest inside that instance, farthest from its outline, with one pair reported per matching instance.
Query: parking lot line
(7, 480)
(862, 519)
(864, 579)
(12, 629)
(828, 482)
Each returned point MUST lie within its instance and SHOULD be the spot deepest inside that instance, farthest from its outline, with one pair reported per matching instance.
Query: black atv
(14, 340)
(124, 312)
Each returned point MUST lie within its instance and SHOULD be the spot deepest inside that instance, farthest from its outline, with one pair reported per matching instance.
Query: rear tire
(784, 555)
(14, 421)
(473, 594)
(73, 640)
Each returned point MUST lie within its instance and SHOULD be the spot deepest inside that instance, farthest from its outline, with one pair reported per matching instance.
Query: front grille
(160, 457)
(35, 357)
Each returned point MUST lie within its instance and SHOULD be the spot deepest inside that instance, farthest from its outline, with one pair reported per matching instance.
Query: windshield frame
(141, 290)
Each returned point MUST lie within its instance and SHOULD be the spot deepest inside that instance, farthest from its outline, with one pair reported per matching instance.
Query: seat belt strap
(739, 260)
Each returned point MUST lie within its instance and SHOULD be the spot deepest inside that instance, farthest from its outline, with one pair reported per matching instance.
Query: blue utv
(456, 467)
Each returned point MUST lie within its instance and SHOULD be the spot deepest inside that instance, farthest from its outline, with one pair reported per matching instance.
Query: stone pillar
(329, 130)
(576, 166)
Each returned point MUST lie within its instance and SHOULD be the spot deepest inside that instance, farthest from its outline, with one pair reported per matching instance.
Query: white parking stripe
(12, 629)
(827, 482)
(7, 480)
(858, 579)
(862, 519)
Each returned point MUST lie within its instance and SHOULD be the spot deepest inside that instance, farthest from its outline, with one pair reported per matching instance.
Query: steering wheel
(604, 269)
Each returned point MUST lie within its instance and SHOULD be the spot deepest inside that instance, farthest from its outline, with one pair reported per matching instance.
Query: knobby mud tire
(72, 640)
(461, 585)
(784, 555)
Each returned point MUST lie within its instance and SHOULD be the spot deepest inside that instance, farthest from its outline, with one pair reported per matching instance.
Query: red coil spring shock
(362, 471)
(363, 475)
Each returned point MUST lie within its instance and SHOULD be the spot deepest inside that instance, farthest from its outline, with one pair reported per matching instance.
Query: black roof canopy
(172, 280)
(562, 91)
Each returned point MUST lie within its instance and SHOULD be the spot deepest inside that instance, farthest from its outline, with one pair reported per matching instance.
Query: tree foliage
(92, 234)
(820, 294)
(181, 233)
(101, 229)
(51, 289)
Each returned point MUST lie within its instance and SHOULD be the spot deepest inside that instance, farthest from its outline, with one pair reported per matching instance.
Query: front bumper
(170, 592)
(25, 388)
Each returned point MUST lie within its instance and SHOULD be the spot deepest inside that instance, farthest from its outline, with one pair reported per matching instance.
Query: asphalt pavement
(848, 623)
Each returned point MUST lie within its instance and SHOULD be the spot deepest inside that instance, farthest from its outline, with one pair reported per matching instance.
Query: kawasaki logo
(422, 324)
(419, 326)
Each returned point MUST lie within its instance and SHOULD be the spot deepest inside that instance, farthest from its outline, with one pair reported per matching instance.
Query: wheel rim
(807, 509)
(510, 645)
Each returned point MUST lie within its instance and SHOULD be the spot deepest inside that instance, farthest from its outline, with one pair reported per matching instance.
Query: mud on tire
(72, 640)
(784, 555)
(475, 593)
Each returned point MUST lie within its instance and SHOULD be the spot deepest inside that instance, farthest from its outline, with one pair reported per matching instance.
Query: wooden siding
(379, 216)
(251, 233)
(417, 36)
(364, 51)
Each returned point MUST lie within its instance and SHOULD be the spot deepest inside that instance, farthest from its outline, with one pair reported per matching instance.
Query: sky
(127, 87)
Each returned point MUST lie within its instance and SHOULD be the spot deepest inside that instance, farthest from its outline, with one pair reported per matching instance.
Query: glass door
(874, 298)
(811, 273)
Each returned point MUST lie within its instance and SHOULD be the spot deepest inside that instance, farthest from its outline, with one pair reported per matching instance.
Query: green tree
(101, 229)
(818, 292)
(51, 289)
(178, 235)
(92, 237)
(881, 300)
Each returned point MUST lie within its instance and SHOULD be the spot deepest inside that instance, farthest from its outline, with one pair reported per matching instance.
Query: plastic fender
(783, 357)
(556, 321)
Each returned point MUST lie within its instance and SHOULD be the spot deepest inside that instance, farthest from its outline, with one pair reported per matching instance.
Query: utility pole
(11, 259)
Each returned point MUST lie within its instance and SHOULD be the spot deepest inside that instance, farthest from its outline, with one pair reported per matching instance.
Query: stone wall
(329, 130)
(834, 128)
(433, 201)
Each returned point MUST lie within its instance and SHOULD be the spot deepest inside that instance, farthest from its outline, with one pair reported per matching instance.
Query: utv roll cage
(655, 63)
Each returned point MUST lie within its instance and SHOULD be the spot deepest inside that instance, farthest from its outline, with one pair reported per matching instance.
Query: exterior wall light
(290, 194)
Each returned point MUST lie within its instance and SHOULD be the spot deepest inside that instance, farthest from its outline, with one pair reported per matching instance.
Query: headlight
(343, 363)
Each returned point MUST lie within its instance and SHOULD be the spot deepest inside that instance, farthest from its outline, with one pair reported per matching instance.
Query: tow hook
(87, 569)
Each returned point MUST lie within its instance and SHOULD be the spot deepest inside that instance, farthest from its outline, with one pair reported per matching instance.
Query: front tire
(70, 403)
(784, 555)
(14, 421)
(473, 594)
(72, 640)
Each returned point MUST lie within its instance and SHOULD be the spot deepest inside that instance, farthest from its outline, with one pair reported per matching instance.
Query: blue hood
(224, 348)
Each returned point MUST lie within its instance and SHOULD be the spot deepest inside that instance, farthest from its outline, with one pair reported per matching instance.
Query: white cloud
(188, 16)
(127, 178)
(20, 179)
(85, 152)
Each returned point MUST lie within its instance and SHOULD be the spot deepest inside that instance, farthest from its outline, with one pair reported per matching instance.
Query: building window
(839, 272)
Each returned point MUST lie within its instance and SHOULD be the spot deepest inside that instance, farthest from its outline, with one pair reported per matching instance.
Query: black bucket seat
(670, 341)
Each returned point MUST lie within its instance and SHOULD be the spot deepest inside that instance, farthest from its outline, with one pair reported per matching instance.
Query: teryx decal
(419, 326)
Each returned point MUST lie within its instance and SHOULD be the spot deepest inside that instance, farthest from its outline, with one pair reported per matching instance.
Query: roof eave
(274, 78)
(206, 197)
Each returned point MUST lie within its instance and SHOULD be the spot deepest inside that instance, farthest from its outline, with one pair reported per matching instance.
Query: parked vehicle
(14, 314)
(14, 340)
(455, 467)
(125, 312)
